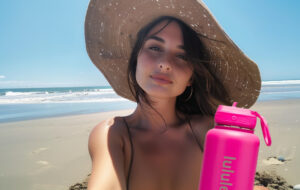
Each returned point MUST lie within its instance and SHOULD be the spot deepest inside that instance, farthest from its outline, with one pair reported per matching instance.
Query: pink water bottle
(231, 150)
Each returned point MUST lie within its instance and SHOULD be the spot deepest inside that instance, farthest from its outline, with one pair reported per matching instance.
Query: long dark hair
(207, 90)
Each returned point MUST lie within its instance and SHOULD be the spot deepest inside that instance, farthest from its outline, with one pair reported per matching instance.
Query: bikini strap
(132, 154)
(195, 135)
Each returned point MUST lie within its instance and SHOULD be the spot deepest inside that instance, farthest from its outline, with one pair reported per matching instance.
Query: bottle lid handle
(265, 129)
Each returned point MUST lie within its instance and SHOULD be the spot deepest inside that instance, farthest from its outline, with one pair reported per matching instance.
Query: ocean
(32, 103)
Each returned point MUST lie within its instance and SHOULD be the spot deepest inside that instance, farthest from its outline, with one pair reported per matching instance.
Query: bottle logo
(226, 173)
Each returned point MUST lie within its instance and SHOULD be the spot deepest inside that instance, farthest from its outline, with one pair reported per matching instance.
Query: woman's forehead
(164, 27)
(162, 32)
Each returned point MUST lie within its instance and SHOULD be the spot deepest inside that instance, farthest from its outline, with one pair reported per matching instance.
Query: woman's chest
(163, 162)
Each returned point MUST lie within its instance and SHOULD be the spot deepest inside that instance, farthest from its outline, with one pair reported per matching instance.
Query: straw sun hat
(111, 27)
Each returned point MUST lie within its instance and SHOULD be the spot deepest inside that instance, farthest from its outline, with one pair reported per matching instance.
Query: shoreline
(97, 112)
(52, 153)
(110, 112)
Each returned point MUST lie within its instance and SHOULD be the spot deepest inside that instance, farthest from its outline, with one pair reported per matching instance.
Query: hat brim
(110, 33)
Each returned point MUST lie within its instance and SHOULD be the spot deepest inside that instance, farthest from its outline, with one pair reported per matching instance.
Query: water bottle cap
(234, 116)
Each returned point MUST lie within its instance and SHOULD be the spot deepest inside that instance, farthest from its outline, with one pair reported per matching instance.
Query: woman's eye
(183, 57)
(154, 48)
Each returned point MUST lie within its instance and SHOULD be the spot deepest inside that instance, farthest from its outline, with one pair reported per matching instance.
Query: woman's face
(163, 56)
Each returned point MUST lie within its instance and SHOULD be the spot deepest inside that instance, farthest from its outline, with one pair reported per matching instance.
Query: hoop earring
(189, 97)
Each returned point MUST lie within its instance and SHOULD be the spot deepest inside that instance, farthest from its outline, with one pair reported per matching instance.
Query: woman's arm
(105, 148)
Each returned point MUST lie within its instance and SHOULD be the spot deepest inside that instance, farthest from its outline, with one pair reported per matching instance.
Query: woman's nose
(164, 67)
(165, 63)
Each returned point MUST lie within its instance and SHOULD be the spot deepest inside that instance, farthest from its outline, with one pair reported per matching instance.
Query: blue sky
(42, 42)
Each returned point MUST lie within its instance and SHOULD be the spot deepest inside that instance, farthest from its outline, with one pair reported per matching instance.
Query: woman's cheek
(145, 59)
(152, 57)
(143, 69)
(140, 70)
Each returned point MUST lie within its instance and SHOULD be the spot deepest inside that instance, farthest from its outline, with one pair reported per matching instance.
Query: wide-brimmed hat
(111, 29)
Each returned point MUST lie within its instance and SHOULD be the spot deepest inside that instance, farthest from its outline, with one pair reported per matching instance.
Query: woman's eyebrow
(156, 38)
(162, 40)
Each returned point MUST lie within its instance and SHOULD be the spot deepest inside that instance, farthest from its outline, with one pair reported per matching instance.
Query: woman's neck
(163, 115)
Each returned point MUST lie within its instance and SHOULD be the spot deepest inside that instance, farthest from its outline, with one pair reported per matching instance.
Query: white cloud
(2, 76)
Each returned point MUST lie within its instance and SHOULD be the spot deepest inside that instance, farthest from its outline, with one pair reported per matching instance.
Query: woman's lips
(161, 79)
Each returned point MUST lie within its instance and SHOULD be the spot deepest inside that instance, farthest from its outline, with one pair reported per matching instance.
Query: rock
(80, 186)
(272, 161)
(281, 158)
(271, 181)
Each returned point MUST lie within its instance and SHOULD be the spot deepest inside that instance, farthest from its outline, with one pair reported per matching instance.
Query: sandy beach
(284, 124)
(52, 153)
(47, 154)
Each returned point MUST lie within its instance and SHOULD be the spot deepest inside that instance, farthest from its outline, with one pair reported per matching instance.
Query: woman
(170, 76)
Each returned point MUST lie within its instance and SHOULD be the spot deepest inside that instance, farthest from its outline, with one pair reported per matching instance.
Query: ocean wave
(282, 92)
(75, 93)
(281, 82)
(47, 100)
(58, 95)
(10, 93)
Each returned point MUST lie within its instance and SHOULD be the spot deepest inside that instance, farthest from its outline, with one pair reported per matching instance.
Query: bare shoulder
(111, 128)
(106, 150)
